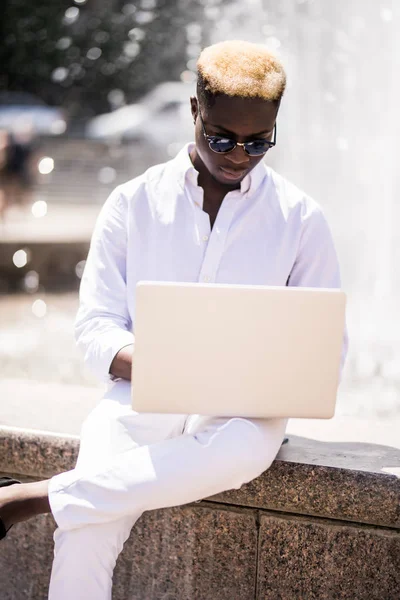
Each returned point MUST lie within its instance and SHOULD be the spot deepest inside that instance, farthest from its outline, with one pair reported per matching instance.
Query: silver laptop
(237, 350)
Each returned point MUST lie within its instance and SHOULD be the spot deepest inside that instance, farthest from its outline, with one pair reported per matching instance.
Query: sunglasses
(222, 145)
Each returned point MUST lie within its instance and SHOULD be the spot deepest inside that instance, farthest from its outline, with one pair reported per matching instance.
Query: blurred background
(92, 92)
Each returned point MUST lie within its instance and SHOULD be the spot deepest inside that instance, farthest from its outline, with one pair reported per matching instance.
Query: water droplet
(131, 49)
(101, 37)
(39, 308)
(188, 76)
(128, 9)
(63, 43)
(59, 74)
(71, 14)
(148, 4)
(191, 64)
(193, 33)
(136, 34)
(59, 126)
(144, 16)
(193, 50)
(21, 258)
(39, 209)
(31, 282)
(386, 15)
(273, 43)
(107, 175)
(212, 12)
(116, 98)
(46, 165)
(94, 53)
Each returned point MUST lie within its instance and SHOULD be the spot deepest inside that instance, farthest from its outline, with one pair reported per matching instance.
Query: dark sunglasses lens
(219, 144)
(257, 147)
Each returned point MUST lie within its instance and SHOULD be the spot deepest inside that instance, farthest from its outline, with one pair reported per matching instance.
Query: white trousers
(132, 462)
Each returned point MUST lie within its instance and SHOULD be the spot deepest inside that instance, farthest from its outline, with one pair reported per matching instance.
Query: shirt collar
(186, 171)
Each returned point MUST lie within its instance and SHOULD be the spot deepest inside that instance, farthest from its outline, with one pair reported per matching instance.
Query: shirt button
(206, 278)
(205, 238)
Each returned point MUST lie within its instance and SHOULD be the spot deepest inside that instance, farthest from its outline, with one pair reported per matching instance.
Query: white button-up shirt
(153, 227)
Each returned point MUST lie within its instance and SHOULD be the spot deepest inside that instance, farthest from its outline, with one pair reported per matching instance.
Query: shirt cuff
(107, 347)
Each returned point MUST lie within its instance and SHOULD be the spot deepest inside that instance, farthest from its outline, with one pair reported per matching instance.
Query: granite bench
(322, 523)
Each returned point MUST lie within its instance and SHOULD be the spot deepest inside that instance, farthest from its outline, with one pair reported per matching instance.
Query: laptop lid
(232, 350)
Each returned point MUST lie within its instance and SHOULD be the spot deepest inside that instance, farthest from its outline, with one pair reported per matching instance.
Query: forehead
(242, 116)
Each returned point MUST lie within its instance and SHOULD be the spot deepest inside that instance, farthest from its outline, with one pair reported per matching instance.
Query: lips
(233, 173)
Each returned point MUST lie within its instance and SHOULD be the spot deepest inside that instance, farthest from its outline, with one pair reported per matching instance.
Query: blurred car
(20, 111)
(162, 118)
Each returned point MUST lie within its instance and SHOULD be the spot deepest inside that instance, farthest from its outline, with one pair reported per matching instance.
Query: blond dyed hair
(244, 69)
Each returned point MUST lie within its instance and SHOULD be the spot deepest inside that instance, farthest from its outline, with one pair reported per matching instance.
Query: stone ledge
(334, 488)
(349, 481)
(285, 535)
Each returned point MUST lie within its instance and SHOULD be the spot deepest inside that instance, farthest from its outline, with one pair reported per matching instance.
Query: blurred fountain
(338, 128)
(339, 118)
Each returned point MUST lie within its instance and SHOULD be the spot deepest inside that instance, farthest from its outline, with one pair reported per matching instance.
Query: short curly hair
(238, 68)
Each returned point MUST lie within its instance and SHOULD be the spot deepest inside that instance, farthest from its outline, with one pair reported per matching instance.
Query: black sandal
(4, 482)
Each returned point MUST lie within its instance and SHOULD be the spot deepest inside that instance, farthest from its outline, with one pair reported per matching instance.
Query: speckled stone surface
(25, 560)
(303, 559)
(189, 553)
(294, 483)
(35, 453)
(347, 481)
(192, 553)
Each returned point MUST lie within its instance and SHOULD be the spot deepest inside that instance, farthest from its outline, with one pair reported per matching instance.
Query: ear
(194, 107)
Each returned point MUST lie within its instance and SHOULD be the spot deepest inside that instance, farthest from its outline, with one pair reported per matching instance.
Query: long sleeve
(316, 264)
(103, 324)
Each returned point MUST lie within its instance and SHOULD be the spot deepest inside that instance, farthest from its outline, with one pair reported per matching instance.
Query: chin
(226, 179)
(219, 178)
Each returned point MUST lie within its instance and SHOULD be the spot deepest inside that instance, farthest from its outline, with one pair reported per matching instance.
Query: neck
(212, 188)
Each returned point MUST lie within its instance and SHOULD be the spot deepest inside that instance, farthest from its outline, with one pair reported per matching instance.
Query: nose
(238, 157)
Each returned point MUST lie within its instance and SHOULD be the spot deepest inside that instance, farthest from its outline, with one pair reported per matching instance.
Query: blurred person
(4, 151)
(17, 167)
(214, 213)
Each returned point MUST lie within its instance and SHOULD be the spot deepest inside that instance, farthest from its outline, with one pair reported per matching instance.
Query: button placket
(202, 220)
(216, 242)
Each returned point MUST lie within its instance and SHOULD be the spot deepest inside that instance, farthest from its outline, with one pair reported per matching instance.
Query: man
(216, 213)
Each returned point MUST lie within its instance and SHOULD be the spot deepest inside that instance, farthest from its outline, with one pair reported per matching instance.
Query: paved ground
(60, 224)
(39, 346)
(55, 407)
